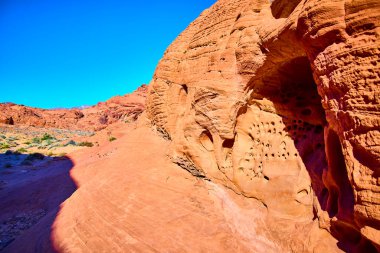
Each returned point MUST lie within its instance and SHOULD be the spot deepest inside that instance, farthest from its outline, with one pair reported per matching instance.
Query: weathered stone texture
(281, 102)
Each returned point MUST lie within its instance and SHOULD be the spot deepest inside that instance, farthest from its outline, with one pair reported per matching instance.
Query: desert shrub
(4, 146)
(22, 150)
(46, 137)
(85, 144)
(27, 143)
(71, 142)
(112, 138)
(47, 142)
(3, 136)
(12, 138)
(36, 140)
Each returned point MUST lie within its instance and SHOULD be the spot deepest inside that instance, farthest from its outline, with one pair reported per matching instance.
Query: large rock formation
(277, 101)
(97, 117)
(280, 101)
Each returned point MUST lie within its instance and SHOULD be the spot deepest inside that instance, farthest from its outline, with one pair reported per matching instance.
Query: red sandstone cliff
(119, 108)
(280, 101)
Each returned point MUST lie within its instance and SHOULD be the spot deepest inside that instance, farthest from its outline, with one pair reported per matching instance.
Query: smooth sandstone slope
(280, 101)
(132, 198)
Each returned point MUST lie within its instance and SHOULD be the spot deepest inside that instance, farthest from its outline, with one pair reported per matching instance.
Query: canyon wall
(280, 101)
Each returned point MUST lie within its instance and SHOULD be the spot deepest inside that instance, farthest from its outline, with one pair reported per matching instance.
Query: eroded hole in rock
(206, 140)
(238, 17)
(337, 179)
(332, 202)
(228, 143)
(282, 8)
(242, 110)
(293, 92)
(306, 112)
(184, 87)
(9, 121)
(183, 92)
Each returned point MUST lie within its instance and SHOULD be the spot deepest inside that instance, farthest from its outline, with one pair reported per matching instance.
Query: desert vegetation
(49, 142)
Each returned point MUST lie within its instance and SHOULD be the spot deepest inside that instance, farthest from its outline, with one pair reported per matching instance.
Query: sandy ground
(52, 141)
(125, 196)
(31, 193)
(33, 186)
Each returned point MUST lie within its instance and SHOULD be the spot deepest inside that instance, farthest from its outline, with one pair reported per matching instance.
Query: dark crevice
(188, 165)
(282, 8)
(341, 187)
(184, 87)
(228, 143)
(242, 110)
(206, 140)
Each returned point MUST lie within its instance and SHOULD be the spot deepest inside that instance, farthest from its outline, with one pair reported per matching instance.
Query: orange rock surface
(271, 109)
(133, 199)
(280, 101)
(97, 117)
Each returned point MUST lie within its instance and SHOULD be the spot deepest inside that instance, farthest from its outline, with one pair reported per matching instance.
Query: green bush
(36, 140)
(112, 138)
(46, 137)
(22, 150)
(86, 144)
(47, 142)
(4, 146)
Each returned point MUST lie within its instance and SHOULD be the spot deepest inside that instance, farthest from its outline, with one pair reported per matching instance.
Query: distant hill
(119, 108)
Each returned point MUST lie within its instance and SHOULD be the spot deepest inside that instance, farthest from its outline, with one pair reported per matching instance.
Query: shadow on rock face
(294, 95)
(32, 187)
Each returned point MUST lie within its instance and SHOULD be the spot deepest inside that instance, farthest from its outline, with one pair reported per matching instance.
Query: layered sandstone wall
(280, 102)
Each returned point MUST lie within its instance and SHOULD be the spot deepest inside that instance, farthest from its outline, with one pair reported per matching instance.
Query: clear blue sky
(65, 53)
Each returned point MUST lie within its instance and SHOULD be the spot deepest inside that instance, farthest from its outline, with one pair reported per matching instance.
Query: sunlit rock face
(280, 101)
(94, 118)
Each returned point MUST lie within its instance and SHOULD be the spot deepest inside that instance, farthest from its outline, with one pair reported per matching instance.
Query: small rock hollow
(207, 140)
(293, 92)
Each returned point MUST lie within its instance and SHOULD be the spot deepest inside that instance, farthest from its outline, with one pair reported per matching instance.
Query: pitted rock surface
(280, 101)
